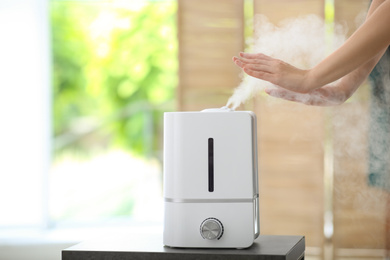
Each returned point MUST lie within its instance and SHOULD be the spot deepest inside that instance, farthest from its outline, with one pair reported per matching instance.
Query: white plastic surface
(188, 201)
(186, 137)
(183, 221)
(222, 109)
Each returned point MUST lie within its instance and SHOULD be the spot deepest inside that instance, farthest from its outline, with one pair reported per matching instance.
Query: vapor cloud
(302, 42)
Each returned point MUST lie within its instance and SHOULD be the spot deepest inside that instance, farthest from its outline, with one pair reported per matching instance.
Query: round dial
(211, 228)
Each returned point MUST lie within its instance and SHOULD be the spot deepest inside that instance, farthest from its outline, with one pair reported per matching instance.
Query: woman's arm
(366, 44)
(357, 56)
(329, 95)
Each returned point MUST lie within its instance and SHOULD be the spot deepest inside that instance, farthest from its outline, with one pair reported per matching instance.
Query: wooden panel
(359, 210)
(291, 169)
(350, 13)
(210, 34)
(277, 10)
(291, 157)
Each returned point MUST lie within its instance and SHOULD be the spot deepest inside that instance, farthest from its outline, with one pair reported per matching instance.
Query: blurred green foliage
(114, 74)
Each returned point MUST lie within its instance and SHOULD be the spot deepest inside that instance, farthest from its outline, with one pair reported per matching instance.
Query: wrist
(309, 81)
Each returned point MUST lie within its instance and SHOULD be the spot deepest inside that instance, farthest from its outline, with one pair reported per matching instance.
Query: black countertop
(149, 246)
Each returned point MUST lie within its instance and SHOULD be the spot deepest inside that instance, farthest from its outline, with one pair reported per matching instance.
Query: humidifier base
(209, 225)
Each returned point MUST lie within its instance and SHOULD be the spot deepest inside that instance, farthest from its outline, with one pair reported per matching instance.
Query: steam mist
(302, 42)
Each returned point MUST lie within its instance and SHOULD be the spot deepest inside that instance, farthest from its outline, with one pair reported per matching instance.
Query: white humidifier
(210, 179)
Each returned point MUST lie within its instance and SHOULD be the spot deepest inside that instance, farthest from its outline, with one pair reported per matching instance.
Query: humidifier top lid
(222, 109)
(210, 154)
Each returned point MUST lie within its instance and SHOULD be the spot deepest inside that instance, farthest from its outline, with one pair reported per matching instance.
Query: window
(24, 112)
(114, 74)
(84, 148)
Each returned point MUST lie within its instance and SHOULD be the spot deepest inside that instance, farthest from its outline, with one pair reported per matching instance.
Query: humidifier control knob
(211, 228)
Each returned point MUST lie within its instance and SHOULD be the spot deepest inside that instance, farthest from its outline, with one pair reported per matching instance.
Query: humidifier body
(210, 179)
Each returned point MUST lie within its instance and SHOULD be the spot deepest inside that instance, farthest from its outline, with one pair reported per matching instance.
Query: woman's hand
(351, 63)
(367, 43)
(292, 84)
(275, 71)
(325, 96)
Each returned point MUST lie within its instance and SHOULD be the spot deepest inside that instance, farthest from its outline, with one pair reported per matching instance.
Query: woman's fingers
(281, 93)
(259, 56)
(260, 74)
(273, 70)
(244, 61)
(318, 97)
(306, 99)
(260, 67)
(255, 65)
(239, 62)
(252, 58)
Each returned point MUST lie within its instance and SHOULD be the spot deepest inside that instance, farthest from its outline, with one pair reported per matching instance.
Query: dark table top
(150, 246)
